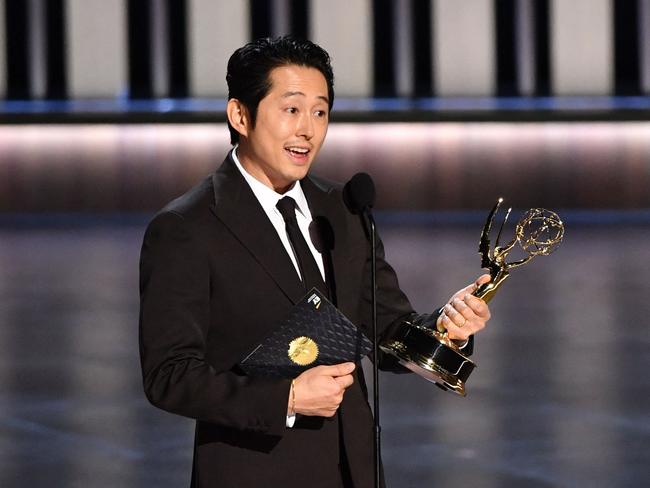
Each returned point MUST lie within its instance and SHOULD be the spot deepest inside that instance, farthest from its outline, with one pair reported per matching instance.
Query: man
(220, 267)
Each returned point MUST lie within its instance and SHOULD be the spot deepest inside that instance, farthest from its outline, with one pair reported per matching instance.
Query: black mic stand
(359, 197)
(375, 350)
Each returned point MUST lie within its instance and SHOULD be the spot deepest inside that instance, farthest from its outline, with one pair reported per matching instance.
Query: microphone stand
(359, 197)
(375, 350)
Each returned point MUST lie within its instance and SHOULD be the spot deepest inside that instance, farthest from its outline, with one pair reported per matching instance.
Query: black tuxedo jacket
(215, 277)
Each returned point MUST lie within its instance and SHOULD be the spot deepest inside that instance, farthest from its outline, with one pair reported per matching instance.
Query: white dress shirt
(268, 199)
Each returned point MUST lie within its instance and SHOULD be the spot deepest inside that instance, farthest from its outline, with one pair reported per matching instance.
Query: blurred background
(111, 108)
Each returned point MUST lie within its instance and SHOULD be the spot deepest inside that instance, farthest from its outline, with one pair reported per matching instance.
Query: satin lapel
(325, 206)
(239, 210)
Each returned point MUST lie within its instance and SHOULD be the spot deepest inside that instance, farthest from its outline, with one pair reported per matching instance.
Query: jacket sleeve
(393, 308)
(174, 324)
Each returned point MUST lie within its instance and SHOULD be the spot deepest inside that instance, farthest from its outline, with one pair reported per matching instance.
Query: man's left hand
(465, 315)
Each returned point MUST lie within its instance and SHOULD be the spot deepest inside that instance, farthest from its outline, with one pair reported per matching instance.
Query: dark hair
(250, 66)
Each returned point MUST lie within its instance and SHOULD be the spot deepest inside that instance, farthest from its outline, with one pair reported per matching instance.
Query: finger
(460, 316)
(474, 322)
(478, 306)
(472, 287)
(330, 412)
(454, 311)
(341, 369)
(473, 309)
(344, 381)
(454, 331)
(481, 280)
(461, 306)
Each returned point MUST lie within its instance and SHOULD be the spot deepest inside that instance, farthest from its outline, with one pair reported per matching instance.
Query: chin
(301, 172)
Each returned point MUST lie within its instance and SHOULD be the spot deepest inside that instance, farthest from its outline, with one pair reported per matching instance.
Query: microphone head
(321, 234)
(359, 193)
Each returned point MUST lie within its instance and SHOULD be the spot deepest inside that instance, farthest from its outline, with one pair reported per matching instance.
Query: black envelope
(314, 333)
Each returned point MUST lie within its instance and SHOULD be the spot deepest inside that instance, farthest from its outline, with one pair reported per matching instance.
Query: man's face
(290, 127)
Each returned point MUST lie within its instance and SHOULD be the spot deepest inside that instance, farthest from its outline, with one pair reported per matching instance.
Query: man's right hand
(319, 391)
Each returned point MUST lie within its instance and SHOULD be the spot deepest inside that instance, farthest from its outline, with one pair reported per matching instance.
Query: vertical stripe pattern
(216, 29)
(56, 53)
(3, 50)
(515, 47)
(506, 48)
(299, 18)
(543, 70)
(383, 52)
(280, 18)
(159, 42)
(139, 27)
(92, 37)
(177, 29)
(60, 49)
(404, 52)
(626, 47)
(17, 51)
(262, 18)
(581, 47)
(337, 25)
(464, 57)
(422, 43)
(37, 47)
(644, 52)
(525, 35)
(275, 18)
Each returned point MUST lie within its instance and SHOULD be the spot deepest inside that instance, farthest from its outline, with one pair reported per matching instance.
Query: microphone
(359, 197)
(359, 194)
(322, 235)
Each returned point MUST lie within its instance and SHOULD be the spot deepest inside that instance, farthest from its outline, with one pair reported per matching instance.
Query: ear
(238, 116)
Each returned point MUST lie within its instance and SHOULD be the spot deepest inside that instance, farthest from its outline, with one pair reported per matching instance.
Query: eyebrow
(292, 93)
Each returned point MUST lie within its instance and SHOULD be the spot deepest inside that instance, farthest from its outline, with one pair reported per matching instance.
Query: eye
(292, 110)
(320, 113)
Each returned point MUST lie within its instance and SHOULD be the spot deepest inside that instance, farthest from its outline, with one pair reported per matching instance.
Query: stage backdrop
(416, 166)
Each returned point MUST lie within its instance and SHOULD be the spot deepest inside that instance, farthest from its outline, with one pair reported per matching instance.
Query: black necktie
(309, 271)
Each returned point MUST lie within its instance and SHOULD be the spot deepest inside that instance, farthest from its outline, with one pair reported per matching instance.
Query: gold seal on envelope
(303, 351)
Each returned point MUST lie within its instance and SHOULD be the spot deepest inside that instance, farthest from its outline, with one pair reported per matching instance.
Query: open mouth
(297, 152)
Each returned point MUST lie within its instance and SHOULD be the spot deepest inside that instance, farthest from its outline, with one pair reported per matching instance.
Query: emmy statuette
(428, 351)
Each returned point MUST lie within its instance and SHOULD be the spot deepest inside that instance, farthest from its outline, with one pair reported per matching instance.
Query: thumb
(341, 369)
(484, 278)
(481, 280)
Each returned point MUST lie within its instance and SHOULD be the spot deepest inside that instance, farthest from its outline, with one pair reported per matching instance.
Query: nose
(305, 126)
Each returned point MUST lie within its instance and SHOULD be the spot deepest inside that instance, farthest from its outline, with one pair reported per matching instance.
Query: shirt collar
(268, 197)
